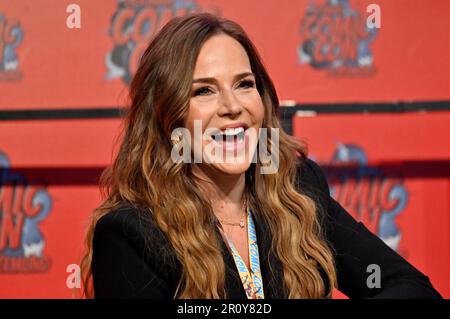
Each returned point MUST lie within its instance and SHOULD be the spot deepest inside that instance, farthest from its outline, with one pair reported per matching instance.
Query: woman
(215, 228)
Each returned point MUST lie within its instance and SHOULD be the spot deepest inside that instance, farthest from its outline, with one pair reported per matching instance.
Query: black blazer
(132, 258)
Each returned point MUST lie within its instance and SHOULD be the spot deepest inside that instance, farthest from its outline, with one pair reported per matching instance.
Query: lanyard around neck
(251, 280)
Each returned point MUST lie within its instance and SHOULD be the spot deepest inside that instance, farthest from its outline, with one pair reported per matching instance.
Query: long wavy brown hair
(143, 171)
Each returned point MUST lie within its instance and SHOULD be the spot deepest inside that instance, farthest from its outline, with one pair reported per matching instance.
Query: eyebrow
(214, 80)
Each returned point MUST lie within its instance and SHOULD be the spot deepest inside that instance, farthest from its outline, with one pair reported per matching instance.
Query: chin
(231, 168)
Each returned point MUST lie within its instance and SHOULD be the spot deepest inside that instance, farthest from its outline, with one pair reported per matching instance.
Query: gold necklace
(241, 222)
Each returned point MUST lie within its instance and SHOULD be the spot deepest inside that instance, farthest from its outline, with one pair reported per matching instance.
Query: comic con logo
(132, 26)
(22, 208)
(369, 195)
(336, 38)
(11, 35)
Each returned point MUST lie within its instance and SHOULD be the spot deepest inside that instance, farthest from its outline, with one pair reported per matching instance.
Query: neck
(224, 190)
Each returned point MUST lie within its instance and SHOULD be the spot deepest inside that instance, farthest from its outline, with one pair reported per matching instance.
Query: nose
(230, 105)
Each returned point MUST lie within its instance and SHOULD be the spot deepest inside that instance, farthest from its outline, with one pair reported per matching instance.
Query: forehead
(221, 55)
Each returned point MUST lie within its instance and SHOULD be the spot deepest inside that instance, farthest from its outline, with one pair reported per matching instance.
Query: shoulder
(124, 221)
(312, 182)
(131, 257)
(123, 218)
(311, 179)
(134, 226)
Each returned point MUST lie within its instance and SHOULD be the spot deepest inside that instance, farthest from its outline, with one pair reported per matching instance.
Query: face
(225, 107)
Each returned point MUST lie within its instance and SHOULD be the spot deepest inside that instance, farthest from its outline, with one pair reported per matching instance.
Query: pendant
(241, 223)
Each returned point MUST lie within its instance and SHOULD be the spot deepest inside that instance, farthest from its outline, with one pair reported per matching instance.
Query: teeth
(238, 131)
(233, 131)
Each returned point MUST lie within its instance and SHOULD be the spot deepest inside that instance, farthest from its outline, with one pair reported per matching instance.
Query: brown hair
(143, 171)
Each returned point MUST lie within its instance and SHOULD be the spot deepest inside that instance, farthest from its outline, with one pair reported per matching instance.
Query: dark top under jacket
(132, 258)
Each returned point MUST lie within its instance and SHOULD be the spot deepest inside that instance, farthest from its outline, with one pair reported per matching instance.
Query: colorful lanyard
(252, 281)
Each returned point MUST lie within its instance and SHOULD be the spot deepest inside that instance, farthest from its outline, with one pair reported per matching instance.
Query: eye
(247, 84)
(202, 91)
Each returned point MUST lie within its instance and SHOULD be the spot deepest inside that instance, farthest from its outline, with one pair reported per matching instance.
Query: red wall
(57, 161)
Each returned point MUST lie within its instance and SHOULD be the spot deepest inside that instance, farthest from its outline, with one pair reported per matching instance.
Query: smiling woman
(220, 229)
(226, 100)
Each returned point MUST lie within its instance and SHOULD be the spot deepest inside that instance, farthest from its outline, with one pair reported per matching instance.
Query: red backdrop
(46, 65)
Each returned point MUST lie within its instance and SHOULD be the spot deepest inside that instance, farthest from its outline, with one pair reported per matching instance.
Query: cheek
(197, 112)
(258, 110)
